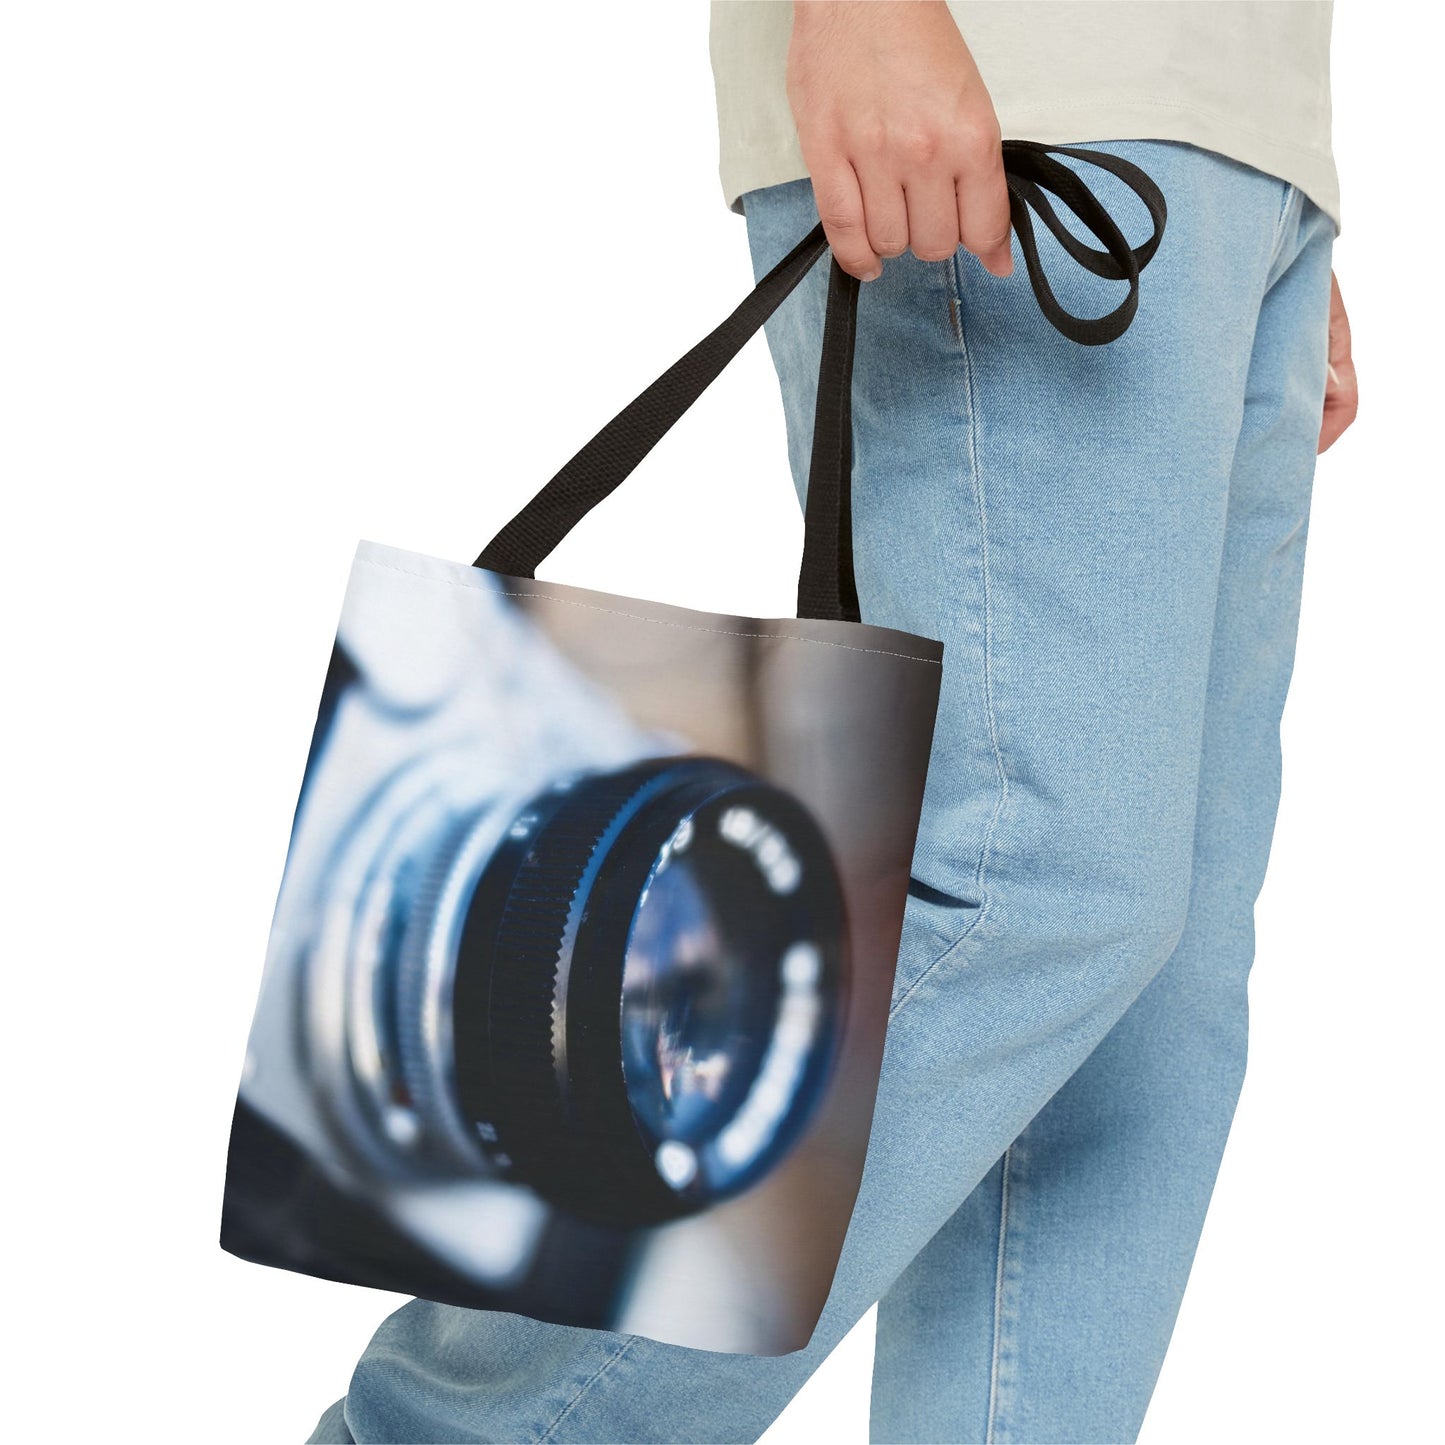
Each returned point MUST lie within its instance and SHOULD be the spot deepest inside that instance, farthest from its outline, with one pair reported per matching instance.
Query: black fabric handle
(826, 586)
(1030, 170)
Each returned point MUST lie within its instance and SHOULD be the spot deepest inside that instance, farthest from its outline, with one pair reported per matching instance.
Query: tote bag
(575, 996)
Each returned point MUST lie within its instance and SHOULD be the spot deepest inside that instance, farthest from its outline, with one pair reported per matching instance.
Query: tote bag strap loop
(1030, 169)
(826, 586)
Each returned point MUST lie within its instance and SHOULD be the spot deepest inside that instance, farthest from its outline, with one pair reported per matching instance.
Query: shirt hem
(750, 168)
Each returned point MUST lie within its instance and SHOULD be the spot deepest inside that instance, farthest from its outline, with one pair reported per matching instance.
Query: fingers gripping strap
(826, 586)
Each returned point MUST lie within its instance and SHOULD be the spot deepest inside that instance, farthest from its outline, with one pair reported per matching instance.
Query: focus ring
(528, 1109)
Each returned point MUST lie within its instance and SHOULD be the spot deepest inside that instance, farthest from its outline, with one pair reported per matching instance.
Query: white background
(280, 275)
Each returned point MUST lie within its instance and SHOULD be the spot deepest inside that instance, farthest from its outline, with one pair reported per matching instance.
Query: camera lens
(649, 988)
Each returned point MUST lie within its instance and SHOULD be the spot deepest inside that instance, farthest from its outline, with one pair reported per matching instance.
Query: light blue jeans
(1110, 541)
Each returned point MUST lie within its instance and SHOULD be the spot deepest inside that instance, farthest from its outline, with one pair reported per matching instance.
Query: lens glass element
(724, 1003)
(694, 1016)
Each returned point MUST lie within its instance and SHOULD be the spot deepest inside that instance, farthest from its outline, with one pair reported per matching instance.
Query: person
(1109, 541)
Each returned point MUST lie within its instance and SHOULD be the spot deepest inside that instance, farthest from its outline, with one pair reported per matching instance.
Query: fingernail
(1334, 375)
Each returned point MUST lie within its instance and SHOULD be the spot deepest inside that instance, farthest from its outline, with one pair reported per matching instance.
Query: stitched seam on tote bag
(655, 621)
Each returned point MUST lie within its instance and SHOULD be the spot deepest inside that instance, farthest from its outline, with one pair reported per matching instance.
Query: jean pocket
(934, 923)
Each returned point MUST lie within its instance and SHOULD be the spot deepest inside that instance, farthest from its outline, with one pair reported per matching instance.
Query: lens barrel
(649, 990)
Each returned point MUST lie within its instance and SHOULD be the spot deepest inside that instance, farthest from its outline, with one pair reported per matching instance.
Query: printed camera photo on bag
(576, 991)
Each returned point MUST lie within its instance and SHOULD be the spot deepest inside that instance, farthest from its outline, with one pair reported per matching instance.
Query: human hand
(1342, 392)
(898, 133)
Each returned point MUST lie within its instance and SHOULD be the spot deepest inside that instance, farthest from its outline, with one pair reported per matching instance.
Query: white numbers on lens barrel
(676, 1163)
(766, 1105)
(775, 859)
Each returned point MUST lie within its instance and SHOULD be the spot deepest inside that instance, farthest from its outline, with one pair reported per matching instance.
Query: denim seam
(981, 869)
(1279, 226)
(990, 1435)
(981, 503)
(586, 1386)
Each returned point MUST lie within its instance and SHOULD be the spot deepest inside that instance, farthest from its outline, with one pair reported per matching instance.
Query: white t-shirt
(1249, 79)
